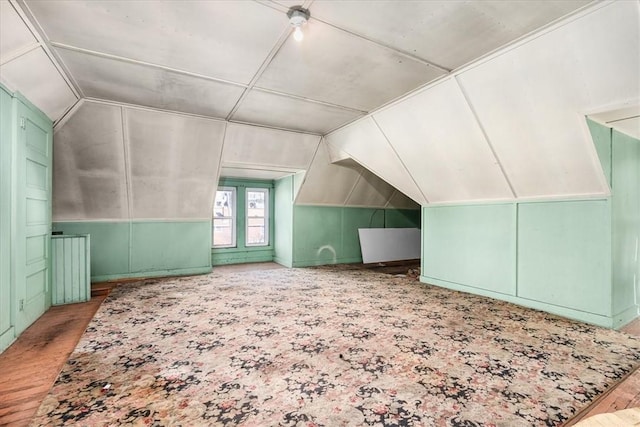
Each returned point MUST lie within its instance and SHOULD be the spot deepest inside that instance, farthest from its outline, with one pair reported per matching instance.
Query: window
(257, 214)
(224, 218)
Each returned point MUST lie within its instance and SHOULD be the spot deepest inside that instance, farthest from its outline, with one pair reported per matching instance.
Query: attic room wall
(510, 126)
(575, 258)
(142, 183)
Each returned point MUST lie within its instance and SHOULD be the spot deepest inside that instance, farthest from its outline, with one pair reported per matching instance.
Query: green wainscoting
(471, 245)
(243, 253)
(283, 226)
(7, 291)
(625, 198)
(121, 249)
(564, 254)
(329, 235)
(575, 258)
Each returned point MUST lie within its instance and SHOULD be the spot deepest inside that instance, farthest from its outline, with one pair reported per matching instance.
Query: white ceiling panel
(337, 67)
(370, 191)
(533, 112)
(254, 145)
(89, 176)
(174, 163)
(439, 141)
(447, 33)
(226, 172)
(119, 81)
(35, 76)
(14, 33)
(365, 143)
(223, 39)
(290, 113)
(326, 183)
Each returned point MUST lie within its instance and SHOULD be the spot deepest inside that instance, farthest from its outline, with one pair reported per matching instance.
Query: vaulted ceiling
(418, 101)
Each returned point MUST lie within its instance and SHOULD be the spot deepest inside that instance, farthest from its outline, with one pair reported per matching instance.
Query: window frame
(266, 218)
(233, 218)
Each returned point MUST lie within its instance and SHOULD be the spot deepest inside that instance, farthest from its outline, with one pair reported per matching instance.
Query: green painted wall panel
(164, 245)
(109, 245)
(120, 249)
(352, 220)
(471, 245)
(317, 235)
(402, 218)
(601, 136)
(283, 221)
(564, 254)
(329, 234)
(625, 221)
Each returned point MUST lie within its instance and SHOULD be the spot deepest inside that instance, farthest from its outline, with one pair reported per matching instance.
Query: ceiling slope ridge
(376, 163)
(514, 44)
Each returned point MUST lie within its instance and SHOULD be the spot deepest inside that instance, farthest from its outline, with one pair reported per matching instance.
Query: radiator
(71, 269)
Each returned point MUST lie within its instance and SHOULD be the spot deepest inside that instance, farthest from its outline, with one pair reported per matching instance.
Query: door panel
(33, 219)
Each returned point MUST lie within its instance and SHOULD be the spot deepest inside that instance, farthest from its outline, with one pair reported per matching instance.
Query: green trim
(625, 317)
(242, 253)
(605, 321)
(314, 263)
(154, 273)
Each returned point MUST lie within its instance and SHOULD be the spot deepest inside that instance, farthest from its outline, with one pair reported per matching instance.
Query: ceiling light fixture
(298, 16)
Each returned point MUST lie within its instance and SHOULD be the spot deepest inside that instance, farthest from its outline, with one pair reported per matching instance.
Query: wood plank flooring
(30, 366)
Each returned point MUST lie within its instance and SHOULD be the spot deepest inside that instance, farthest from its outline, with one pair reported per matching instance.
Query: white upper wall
(511, 126)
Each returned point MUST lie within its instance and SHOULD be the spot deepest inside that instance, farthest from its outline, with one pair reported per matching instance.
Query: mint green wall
(625, 198)
(402, 218)
(121, 249)
(283, 221)
(576, 258)
(552, 256)
(564, 254)
(242, 253)
(329, 235)
(471, 245)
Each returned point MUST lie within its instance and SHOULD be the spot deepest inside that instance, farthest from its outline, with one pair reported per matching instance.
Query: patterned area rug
(328, 346)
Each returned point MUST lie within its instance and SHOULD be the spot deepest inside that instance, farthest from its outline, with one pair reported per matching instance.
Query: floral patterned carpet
(328, 346)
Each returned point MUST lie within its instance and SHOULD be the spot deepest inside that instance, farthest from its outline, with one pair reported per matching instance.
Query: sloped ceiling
(427, 116)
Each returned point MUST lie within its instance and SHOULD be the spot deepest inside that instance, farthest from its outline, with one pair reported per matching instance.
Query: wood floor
(30, 366)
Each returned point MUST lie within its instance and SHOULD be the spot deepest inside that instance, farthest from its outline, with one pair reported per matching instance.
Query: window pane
(255, 231)
(222, 232)
(224, 218)
(224, 205)
(257, 217)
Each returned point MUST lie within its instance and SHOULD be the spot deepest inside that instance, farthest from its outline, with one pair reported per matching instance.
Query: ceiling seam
(306, 173)
(426, 199)
(67, 115)
(38, 32)
(314, 101)
(143, 63)
(379, 43)
(127, 162)
(472, 109)
(19, 52)
(272, 54)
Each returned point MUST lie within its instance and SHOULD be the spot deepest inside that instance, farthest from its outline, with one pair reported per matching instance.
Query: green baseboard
(625, 317)
(595, 319)
(317, 262)
(154, 273)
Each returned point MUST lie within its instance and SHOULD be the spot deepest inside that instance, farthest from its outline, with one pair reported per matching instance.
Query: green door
(33, 215)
